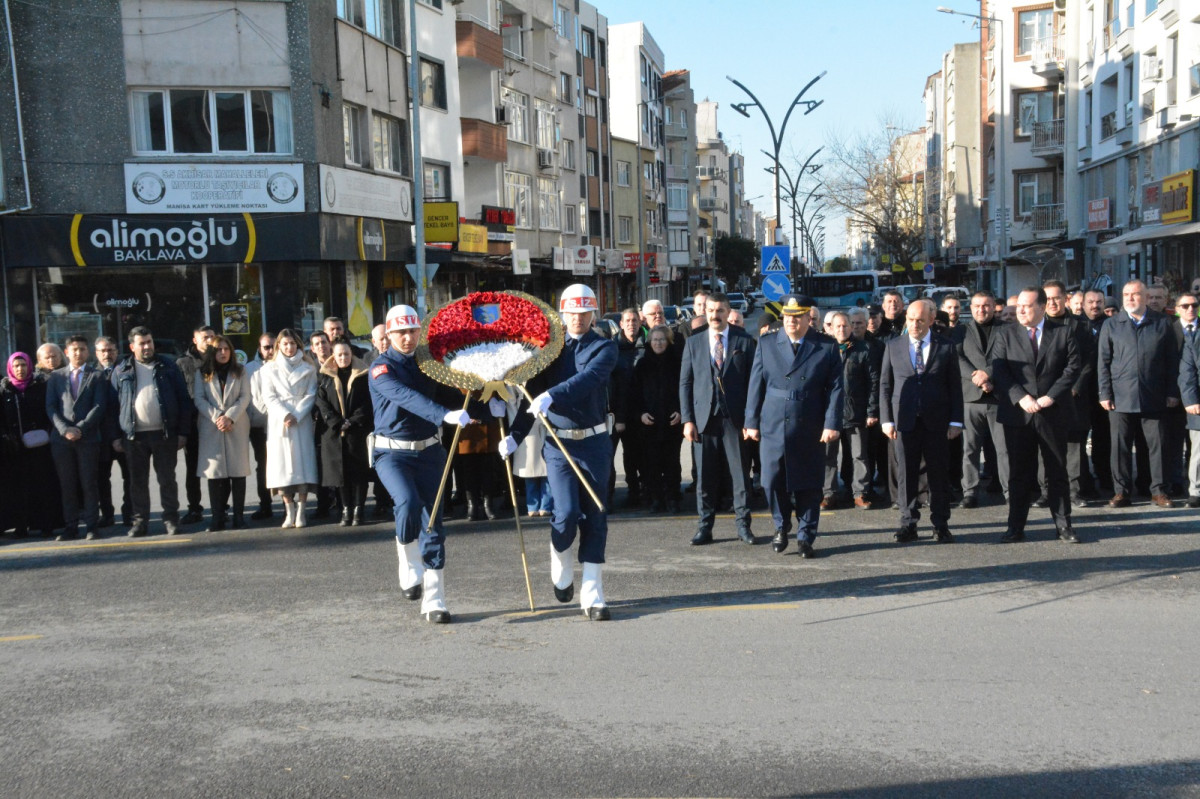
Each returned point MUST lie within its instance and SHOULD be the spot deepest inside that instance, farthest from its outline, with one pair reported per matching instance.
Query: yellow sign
(441, 222)
(897, 267)
(472, 238)
(1178, 195)
(918, 266)
(885, 258)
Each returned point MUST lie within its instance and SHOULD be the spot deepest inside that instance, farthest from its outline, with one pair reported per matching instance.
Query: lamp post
(793, 186)
(777, 138)
(643, 274)
(998, 142)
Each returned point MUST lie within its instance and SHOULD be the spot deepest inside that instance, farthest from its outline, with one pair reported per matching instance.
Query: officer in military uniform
(794, 407)
(409, 459)
(572, 400)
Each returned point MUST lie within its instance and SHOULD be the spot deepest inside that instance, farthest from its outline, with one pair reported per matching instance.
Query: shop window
(433, 84)
(211, 121)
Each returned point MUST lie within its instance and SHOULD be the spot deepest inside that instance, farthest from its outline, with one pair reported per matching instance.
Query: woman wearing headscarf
(344, 403)
(31, 492)
(289, 389)
(222, 393)
(654, 408)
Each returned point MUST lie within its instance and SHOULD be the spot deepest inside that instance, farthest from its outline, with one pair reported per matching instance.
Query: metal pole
(12, 64)
(1000, 176)
(643, 274)
(418, 184)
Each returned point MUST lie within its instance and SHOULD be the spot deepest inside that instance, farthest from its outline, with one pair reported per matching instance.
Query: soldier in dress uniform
(409, 459)
(794, 407)
(572, 400)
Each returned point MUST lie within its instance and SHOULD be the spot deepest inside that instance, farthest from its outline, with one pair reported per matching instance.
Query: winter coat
(348, 417)
(860, 384)
(655, 390)
(174, 402)
(289, 386)
(227, 454)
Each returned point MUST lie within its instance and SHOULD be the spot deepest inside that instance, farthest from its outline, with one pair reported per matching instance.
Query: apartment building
(682, 181)
(955, 190)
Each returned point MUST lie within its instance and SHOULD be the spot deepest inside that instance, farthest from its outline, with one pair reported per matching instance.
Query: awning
(1149, 233)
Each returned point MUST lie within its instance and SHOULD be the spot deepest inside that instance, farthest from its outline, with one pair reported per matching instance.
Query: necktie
(919, 362)
(1033, 340)
(1190, 330)
(75, 383)
(719, 352)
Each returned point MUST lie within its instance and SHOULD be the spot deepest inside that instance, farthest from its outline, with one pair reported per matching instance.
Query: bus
(843, 289)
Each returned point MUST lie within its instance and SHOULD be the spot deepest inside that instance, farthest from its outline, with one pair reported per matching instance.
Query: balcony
(1047, 139)
(484, 140)
(1168, 12)
(675, 172)
(675, 130)
(713, 204)
(710, 173)
(1047, 58)
(1108, 125)
(1048, 219)
(476, 42)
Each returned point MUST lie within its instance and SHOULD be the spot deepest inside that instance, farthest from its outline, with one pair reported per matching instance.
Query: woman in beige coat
(222, 393)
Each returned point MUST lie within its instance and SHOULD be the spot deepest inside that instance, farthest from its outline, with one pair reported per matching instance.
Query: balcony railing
(676, 172)
(710, 173)
(1047, 57)
(675, 130)
(1049, 218)
(713, 204)
(1048, 137)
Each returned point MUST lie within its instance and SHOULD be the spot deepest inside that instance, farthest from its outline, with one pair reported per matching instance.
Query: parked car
(939, 293)
(737, 301)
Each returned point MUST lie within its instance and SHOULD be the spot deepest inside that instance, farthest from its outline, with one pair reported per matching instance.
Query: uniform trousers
(77, 464)
(412, 479)
(1124, 427)
(575, 514)
(980, 423)
(162, 451)
(1044, 436)
(933, 446)
(721, 435)
(806, 504)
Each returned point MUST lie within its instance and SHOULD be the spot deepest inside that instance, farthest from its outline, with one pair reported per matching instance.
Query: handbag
(34, 438)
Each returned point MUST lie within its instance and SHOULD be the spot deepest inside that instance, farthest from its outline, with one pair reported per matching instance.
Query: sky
(877, 55)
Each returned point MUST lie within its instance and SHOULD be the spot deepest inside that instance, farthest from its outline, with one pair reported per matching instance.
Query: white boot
(562, 573)
(299, 520)
(412, 569)
(591, 593)
(289, 514)
(433, 598)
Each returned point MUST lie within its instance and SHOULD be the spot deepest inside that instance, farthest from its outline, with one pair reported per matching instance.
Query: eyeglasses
(1187, 305)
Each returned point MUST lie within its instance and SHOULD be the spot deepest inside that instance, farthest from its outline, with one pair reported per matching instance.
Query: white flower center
(491, 360)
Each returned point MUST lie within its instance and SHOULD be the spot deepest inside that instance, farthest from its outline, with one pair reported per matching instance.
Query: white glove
(498, 407)
(460, 418)
(507, 447)
(541, 403)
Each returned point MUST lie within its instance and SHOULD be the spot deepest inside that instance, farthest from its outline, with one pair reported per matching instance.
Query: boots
(562, 573)
(289, 514)
(347, 516)
(412, 569)
(433, 598)
(299, 520)
(360, 515)
(488, 510)
(591, 594)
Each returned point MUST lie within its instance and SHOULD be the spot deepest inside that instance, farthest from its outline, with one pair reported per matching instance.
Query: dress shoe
(347, 517)
(106, 520)
(702, 537)
(1119, 501)
(263, 512)
(780, 541)
(564, 595)
(1041, 502)
(806, 550)
(1012, 537)
(747, 536)
(969, 501)
(906, 534)
(217, 524)
(863, 503)
(171, 527)
(1067, 534)
(1162, 501)
(597, 613)
(942, 535)
(488, 510)
(828, 503)
(1193, 502)
(137, 531)
(1080, 502)
(238, 522)
(412, 593)
(69, 534)
(438, 617)
(192, 516)
(92, 534)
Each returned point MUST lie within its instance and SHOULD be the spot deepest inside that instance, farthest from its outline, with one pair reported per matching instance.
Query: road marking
(724, 608)
(64, 547)
(10, 638)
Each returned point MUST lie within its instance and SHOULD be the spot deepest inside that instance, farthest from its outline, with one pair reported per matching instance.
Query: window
(623, 172)
(380, 18)
(518, 190)
(589, 105)
(677, 239)
(1033, 26)
(1033, 107)
(432, 3)
(677, 195)
(517, 106)
(587, 42)
(514, 38)
(624, 229)
(1034, 188)
(352, 135)
(1151, 6)
(208, 121)
(569, 213)
(592, 157)
(548, 204)
(564, 22)
(652, 222)
(547, 125)
(389, 141)
(433, 84)
(568, 154)
(565, 82)
(437, 182)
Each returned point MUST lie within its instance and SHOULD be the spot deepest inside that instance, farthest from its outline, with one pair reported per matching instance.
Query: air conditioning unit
(545, 158)
(1168, 117)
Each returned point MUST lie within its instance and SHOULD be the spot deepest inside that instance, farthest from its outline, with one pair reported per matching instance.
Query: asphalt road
(286, 663)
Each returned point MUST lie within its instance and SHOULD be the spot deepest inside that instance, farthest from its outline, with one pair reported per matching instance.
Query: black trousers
(932, 446)
(191, 455)
(1124, 428)
(106, 455)
(76, 464)
(1045, 436)
(721, 437)
(258, 443)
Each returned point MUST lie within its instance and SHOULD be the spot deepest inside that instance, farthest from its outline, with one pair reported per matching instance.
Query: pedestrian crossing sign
(776, 260)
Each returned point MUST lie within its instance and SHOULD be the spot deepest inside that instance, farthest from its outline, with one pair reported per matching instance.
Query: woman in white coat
(222, 392)
(289, 389)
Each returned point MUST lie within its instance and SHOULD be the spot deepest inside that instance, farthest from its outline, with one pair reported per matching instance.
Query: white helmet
(577, 298)
(401, 317)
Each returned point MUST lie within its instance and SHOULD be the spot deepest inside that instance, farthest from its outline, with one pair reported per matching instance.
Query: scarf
(291, 371)
(20, 385)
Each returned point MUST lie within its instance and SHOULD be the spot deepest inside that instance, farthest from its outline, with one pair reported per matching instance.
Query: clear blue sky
(877, 54)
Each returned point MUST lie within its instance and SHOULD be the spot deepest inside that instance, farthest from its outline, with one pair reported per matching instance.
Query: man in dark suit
(1138, 370)
(1176, 446)
(1094, 318)
(796, 400)
(76, 402)
(713, 383)
(1189, 392)
(1077, 405)
(921, 410)
(974, 342)
(1035, 365)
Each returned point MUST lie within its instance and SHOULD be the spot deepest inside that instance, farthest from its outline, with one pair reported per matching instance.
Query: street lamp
(777, 139)
(998, 140)
(643, 274)
(793, 186)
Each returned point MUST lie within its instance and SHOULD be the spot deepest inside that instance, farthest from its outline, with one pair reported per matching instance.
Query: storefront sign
(521, 263)
(126, 303)
(1099, 214)
(166, 240)
(235, 319)
(1177, 197)
(633, 261)
(1107, 235)
(359, 309)
(372, 242)
(214, 188)
(500, 222)
(472, 238)
(614, 262)
(441, 222)
(1152, 203)
(345, 191)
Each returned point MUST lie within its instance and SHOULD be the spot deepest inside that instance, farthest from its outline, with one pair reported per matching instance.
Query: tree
(839, 264)
(736, 257)
(878, 182)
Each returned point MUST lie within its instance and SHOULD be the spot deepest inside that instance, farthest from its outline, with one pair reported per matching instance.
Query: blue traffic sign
(775, 286)
(776, 260)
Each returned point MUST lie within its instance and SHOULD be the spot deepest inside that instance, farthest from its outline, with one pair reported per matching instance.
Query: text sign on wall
(214, 188)
(1177, 196)
(1098, 214)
